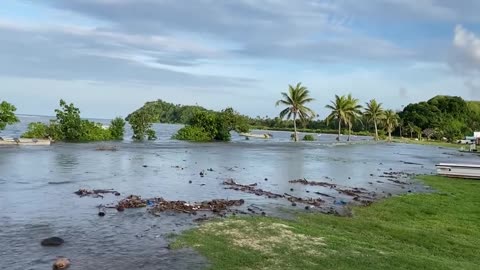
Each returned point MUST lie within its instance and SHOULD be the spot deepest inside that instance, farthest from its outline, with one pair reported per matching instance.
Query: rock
(117, 193)
(291, 189)
(145, 166)
(202, 174)
(52, 242)
(266, 179)
(120, 208)
(264, 214)
(61, 263)
(101, 213)
(294, 204)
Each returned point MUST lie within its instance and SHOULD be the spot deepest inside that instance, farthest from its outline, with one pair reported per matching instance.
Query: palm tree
(353, 113)
(391, 120)
(295, 100)
(340, 112)
(374, 113)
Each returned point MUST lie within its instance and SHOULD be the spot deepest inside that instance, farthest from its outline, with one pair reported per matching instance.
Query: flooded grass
(431, 143)
(416, 231)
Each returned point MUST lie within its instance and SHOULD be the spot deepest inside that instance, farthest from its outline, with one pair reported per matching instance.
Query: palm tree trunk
(389, 136)
(295, 126)
(376, 130)
(339, 129)
(349, 132)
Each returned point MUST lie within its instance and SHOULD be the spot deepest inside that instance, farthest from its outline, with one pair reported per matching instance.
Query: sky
(109, 57)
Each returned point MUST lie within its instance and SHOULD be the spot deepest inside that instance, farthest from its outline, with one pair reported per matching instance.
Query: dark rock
(117, 193)
(101, 214)
(266, 179)
(264, 214)
(294, 204)
(120, 208)
(291, 189)
(52, 242)
(145, 166)
(371, 174)
(190, 181)
(202, 174)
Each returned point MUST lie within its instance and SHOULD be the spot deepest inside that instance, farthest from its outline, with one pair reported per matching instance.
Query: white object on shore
(259, 136)
(21, 141)
(471, 171)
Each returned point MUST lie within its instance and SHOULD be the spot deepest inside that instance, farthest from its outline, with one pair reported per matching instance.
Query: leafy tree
(68, 117)
(117, 128)
(192, 133)
(141, 122)
(374, 113)
(308, 137)
(295, 100)
(7, 114)
(36, 130)
(390, 120)
(340, 111)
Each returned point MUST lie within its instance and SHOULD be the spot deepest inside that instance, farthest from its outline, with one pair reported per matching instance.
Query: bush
(308, 137)
(191, 133)
(7, 114)
(91, 131)
(141, 122)
(117, 128)
(36, 130)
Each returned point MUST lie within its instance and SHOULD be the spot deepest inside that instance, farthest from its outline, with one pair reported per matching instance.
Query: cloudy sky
(111, 56)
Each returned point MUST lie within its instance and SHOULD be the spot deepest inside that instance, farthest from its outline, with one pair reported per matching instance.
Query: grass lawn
(417, 231)
(433, 143)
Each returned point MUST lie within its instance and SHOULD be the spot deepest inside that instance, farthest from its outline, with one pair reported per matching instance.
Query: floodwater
(37, 185)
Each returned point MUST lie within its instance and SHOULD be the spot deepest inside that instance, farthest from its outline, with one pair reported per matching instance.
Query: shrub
(191, 133)
(117, 128)
(141, 122)
(308, 137)
(36, 130)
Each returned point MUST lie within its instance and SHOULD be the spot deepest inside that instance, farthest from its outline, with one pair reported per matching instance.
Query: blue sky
(111, 56)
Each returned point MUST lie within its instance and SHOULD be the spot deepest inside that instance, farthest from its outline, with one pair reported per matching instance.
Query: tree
(340, 112)
(117, 128)
(374, 113)
(295, 100)
(354, 113)
(141, 122)
(68, 117)
(7, 114)
(390, 120)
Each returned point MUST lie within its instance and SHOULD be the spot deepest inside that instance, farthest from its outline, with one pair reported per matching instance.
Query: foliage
(192, 133)
(7, 114)
(165, 112)
(451, 117)
(437, 230)
(68, 126)
(296, 99)
(117, 128)
(344, 109)
(308, 137)
(374, 113)
(141, 122)
(209, 126)
(390, 120)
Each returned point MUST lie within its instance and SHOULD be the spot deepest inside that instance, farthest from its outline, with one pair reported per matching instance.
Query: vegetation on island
(70, 127)
(295, 100)
(414, 231)
(7, 115)
(308, 137)
(141, 122)
(206, 126)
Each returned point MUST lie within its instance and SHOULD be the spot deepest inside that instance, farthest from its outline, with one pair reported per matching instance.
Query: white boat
(21, 141)
(471, 171)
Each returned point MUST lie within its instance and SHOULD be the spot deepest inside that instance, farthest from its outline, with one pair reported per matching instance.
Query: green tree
(117, 128)
(295, 100)
(68, 117)
(7, 115)
(390, 121)
(374, 113)
(353, 113)
(339, 111)
(141, 122)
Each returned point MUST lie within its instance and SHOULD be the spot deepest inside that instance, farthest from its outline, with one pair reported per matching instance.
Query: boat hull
(470, 171)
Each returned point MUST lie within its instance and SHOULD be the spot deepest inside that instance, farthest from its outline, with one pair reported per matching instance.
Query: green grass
(417, 231)
(432, 143)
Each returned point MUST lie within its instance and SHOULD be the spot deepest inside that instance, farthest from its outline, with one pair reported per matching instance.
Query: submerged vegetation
(69, 126)
(212, 126)
(7, 114)
(416, 231)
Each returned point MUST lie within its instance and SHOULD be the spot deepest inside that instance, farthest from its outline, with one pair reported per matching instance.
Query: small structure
(21, 141)
(454, 170)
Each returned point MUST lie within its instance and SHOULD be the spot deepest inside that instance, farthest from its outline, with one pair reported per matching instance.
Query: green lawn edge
(439, 230)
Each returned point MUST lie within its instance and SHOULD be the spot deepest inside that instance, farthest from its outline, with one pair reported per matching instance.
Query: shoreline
(400, 231)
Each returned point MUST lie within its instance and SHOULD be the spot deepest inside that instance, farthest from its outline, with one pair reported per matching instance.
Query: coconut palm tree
(353, 112)
(390, 121)
(295, 100)
(374, 112)
(340, 112)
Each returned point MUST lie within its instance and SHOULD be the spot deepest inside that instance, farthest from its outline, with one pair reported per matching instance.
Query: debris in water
(96, 193)
(61, 263)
